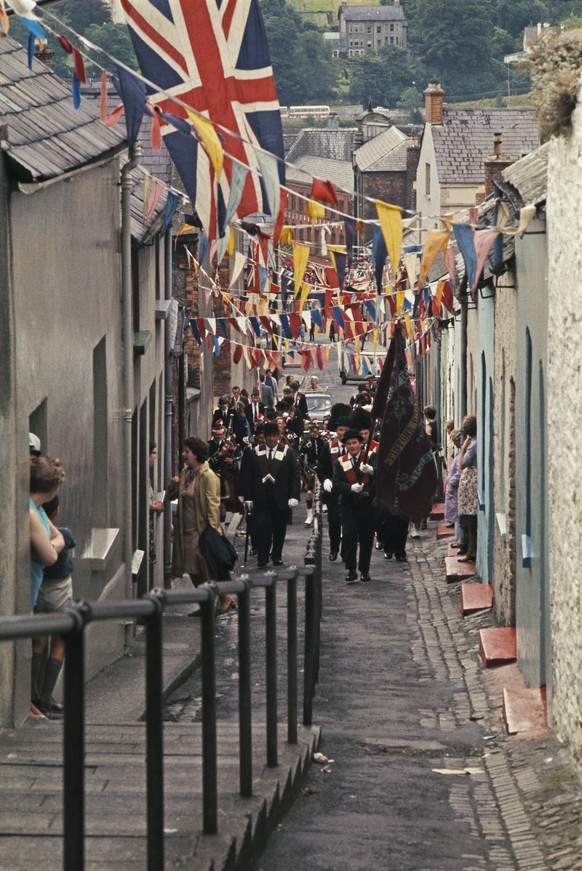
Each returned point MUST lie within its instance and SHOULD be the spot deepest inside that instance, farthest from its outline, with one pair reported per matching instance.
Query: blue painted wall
(532, 593)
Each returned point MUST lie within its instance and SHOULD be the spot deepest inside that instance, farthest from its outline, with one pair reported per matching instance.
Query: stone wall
(564, 441)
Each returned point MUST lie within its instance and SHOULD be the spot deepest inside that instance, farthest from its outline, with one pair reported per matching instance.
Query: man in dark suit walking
(273, 487)
(255, 411)
(354, 480)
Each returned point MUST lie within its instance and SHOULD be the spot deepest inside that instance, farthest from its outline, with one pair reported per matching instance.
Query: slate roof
(465, 139)
(372, 13)
(46, 136)
(529, 176)
(339, 172)
(383, 153)
(333, 143)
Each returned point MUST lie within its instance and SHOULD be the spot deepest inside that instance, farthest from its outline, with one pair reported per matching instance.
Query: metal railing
(71, 624)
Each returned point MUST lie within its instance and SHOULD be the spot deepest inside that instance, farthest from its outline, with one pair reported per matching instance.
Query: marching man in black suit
(255, 411)
(354, 480)
(272, 488)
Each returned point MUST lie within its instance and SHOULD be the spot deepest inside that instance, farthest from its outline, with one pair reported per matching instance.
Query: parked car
(318, 405)
(373, 362)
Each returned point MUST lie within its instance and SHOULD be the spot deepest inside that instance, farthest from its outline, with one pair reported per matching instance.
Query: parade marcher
(272, 487)
(310, 451)
(237, 396)
(299, 401)
(255, 410)
(354, 480)
(270, 381)
(221, 413)
(223, 458)
(325, 468)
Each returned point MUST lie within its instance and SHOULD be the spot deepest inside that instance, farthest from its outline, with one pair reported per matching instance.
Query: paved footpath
(421, 773)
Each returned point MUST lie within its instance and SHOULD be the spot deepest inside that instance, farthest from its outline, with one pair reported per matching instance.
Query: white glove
(293, 503)
(249, 505)
(357, 488)
(327, 485)
(367, 469)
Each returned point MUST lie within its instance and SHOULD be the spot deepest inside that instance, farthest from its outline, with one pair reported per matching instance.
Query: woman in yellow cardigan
(198, 491)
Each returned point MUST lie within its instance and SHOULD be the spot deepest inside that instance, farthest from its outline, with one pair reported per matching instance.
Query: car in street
(373, 363)
(318, 405)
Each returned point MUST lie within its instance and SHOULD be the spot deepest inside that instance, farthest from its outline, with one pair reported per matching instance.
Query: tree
(116, 41)
(382, 78)
(302, 64)
(455, 44)
(80, 14)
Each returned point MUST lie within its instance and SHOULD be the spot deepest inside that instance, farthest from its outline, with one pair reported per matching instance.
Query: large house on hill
(367, 29)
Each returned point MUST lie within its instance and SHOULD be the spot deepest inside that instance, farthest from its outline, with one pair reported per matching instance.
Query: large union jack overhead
(212, 55)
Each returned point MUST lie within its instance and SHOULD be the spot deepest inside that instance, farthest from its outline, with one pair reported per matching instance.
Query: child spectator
(56, 593)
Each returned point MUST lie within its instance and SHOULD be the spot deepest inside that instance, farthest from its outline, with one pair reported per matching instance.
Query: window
(427, 179)
(391, 28)
(391, 40)
(378, 28)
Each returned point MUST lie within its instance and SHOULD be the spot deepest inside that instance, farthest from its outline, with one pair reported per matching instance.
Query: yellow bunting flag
(435, 240)
(230, 246)
(304, 294)
(314, 211)
(300, 258)
(399, 300)
(286, 237)
(209, 138)
(391, 224)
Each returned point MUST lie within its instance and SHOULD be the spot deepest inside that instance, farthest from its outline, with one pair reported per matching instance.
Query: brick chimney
(496, 163)
(433, 103)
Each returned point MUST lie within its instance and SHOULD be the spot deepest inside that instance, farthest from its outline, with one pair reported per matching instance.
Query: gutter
(33, 187)
(128, 400)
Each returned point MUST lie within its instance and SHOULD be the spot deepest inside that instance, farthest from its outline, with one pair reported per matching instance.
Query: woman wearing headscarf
(197, 489)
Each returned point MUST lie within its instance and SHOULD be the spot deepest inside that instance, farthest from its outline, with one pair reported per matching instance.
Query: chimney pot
(433, 103)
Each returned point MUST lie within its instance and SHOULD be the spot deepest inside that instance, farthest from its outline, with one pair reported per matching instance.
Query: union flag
(212, 55)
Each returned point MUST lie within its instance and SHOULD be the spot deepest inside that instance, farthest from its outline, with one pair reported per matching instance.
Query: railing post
(271, 653)
(292, 659)
(74, 745)
(154, 736)
(244, 689)
(209, 767)
(309, 667)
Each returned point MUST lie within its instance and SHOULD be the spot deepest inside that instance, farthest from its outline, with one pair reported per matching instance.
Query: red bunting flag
(324, 191)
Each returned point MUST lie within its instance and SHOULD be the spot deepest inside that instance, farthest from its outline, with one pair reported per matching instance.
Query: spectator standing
(468, 503)
(197, 489)
(56, 593)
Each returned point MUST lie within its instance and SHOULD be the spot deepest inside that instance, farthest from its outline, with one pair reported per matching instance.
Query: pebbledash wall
(564, 390)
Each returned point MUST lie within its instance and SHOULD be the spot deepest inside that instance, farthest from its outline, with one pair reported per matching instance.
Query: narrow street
(420, 772)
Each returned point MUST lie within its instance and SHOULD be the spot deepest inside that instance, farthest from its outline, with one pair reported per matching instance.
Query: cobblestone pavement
(422, 774)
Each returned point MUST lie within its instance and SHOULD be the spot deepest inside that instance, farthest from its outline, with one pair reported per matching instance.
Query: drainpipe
(168, 416)
(463, 358)
(127, 306)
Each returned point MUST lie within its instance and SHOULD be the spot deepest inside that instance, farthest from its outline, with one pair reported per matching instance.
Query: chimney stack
(433, 103)
(496, 163)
